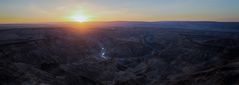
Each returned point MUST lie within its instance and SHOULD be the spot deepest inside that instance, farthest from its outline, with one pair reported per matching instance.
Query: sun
(80, 18)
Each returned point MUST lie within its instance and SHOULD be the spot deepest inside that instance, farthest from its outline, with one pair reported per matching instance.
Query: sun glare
(80, 18)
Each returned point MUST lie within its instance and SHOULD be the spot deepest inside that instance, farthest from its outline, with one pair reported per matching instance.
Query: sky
(19, 11)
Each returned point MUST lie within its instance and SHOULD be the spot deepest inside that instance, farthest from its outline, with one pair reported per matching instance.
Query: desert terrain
(176, 53)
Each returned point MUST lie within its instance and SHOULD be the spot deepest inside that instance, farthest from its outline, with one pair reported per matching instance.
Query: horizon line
(114, 21)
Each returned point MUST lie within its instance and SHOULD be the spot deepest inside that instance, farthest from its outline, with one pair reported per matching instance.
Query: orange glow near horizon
(82, 28)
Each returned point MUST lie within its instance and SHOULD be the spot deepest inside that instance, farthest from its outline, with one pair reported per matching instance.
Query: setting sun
(80, 18)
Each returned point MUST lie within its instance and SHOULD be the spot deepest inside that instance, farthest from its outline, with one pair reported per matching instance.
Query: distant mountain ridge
(141, 24)
(177, 24)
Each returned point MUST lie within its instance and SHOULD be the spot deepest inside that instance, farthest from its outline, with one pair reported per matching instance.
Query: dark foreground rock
(123, 56)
